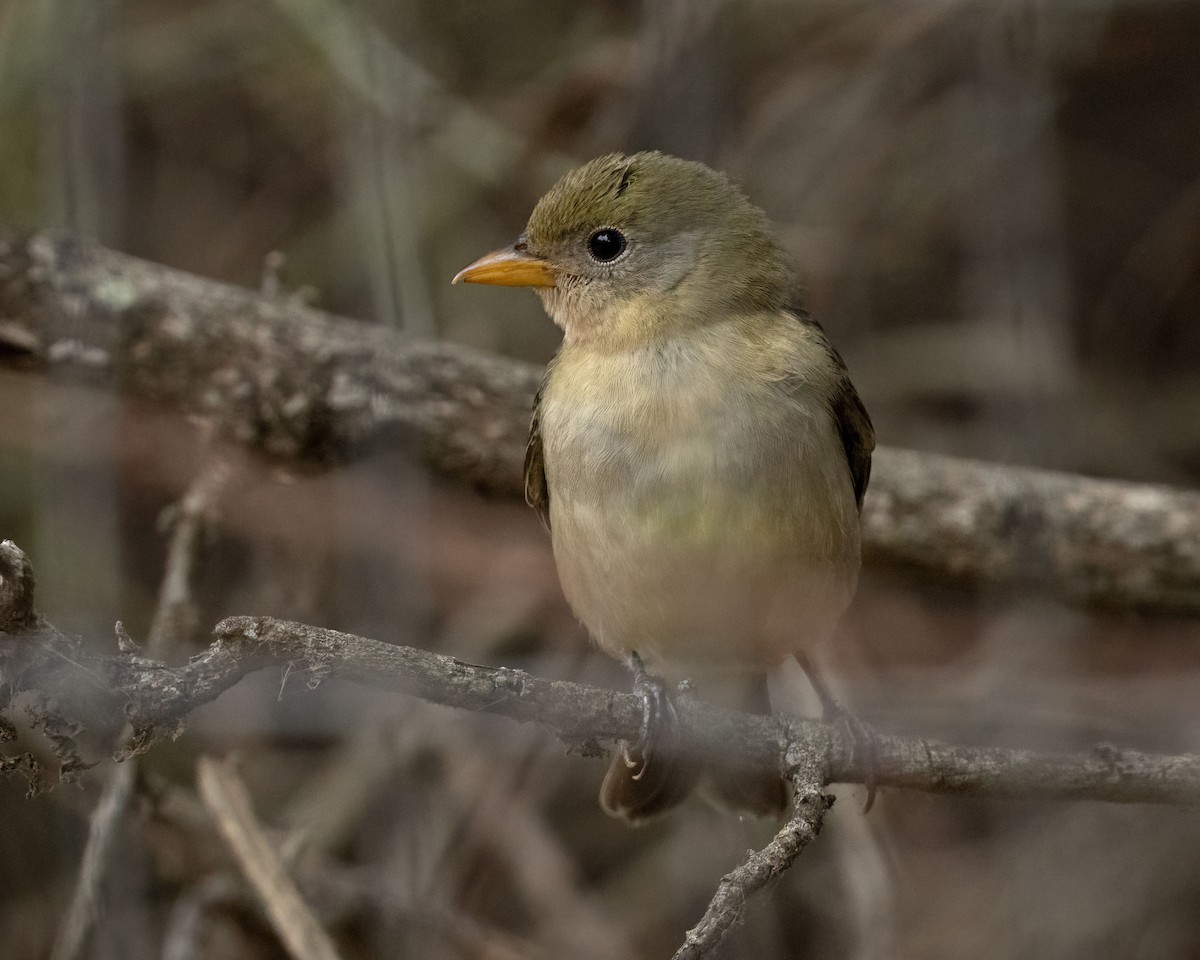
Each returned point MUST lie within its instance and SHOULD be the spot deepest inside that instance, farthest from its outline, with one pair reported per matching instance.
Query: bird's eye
(606, 245)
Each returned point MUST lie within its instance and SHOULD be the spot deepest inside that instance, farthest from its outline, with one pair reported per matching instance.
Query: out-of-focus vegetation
(994, 205)
(997, 209)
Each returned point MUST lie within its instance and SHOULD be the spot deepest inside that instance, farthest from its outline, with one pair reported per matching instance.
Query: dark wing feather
(853, 422)
(537, 494)
(854, 425)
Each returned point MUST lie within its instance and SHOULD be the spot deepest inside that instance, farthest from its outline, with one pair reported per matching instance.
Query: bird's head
(628, 249)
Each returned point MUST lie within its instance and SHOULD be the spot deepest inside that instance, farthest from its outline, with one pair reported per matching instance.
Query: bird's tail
(641, 784)
(738, 787)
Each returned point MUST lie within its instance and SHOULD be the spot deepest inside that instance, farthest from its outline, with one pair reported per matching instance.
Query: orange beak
(511, 267)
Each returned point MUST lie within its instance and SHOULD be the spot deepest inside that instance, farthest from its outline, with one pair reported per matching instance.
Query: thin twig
(188, 520)
(229, 803)
(186, 924)
(809, 806)
(156, 698)
(103, 832)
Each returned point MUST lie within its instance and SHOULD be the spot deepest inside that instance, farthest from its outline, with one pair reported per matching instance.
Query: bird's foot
(866, 745)
(863, 736)
(660, 720)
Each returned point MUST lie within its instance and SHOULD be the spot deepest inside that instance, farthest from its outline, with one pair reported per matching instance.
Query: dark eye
(606, 245)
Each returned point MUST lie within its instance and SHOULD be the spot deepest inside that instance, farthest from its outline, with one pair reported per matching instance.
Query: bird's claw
(866, 743)
(864, 738)
(660, 720)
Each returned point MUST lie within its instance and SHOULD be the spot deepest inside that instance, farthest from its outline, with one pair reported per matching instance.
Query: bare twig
(156, 698)
(175, 615)
(300, 383)
(191, 913)
(227, 800)
(809, 805)
(584, 714)
(103, 832)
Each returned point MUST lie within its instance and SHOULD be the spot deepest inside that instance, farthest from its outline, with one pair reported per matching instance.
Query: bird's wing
(858, 436)
(853, 422)
(537, 493)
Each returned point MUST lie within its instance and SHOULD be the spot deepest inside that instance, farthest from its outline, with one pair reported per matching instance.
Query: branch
(103, 833)
(1093, 542)
(809, 805)
(300, 383)
(155, 699)
(189, 521)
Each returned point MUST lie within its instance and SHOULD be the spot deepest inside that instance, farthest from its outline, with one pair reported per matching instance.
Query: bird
(697, 451)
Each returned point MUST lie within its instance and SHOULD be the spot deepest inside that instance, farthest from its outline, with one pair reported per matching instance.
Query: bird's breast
(687, 494)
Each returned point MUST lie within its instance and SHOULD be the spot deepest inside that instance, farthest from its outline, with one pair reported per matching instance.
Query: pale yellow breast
(699, 510)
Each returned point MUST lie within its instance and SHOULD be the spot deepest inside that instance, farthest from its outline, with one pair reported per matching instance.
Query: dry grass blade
(229, 803)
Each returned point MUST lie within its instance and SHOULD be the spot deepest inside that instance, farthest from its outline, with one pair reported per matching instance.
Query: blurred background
(996, 207)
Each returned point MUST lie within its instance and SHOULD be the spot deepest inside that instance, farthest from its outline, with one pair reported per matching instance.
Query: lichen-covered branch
(72, 686)
(301, 383)
(276, 374)
(1095, 542)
